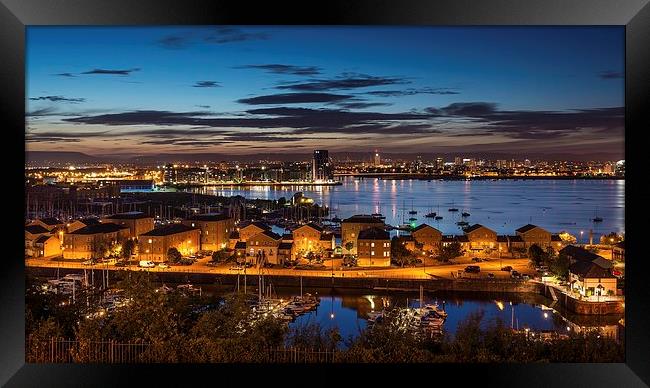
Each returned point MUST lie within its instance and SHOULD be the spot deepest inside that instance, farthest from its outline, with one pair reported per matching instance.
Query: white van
(147, 264)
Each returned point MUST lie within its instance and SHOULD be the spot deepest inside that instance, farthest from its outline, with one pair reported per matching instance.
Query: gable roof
(128, 216)
(36, 229)
(169, 230)
(526, 228)
(578, 253)
(589, 269)
(373, 234)
(502, 239)
(106, 227)
(260, 225)
(89, 221)
(311, 225)
(209, 217)
(51, 221)
(362, 219)
(424, 226)
(270, 234)
(43, 239)
(474, 227)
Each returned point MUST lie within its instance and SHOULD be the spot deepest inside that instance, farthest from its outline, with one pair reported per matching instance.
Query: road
(438, 270)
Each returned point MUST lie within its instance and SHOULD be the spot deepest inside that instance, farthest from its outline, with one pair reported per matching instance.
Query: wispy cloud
(344, 81)
(111, 71)
(222, 35)
(610, 74)
(64, 75)
(206, 84)
(293, 98)
(217, 35)
(58, 99)
(413, 91)
(284, 69)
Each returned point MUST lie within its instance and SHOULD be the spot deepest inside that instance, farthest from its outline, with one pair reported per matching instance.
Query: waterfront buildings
(373, 248)
(92, 241)
(377, 159)
(154, 244)
(51, 224)
(78, 224)
(249, 229)
(34, 234)
(589, 273)
(47, 246)
(322, 170)
(480, 237)
(351, 227)
(137, 222)
(429, 237)
(312, 238)
(263, 248)
(215, 230)
(533, 234)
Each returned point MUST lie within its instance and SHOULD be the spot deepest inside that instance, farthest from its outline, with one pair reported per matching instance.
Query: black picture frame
(633, 14)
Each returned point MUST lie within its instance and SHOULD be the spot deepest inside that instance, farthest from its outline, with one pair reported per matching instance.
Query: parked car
(146, 264)
(236, 268)
(491, 275)
(121, 264)
(507, 268)
(163, 265)
(88, 262)
(617, 273)
(525, 277)
(472, 269)
(476, 259)
(515, 275)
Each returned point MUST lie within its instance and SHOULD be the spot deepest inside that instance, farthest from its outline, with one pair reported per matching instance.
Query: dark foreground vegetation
(182, 327)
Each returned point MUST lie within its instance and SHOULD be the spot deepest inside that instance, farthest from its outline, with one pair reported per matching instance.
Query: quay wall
(582, 307)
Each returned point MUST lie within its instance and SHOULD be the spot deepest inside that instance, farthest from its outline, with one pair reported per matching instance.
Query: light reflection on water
(503, 205)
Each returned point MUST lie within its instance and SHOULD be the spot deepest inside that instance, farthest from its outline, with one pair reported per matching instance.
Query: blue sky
(145, 90)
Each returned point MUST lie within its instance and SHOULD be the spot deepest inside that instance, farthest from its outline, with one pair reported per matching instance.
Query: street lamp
(150, 251)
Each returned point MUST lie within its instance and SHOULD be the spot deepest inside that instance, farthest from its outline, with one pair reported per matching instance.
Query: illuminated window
(372, 245)
(372, 253)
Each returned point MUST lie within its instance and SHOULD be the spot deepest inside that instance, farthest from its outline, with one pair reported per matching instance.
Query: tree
(400, 255)
(349, 245)
(100, 249)
(127, 249)
(536, 255)
(560, 266)
(611, 238)
(349, 261)
(173, 255)
(220, 256)
(450, 251)
(567, 237)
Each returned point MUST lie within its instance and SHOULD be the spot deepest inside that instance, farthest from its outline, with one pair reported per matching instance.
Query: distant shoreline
(481, 178)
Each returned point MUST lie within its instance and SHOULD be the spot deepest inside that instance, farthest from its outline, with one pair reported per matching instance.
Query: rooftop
(590, 269)
(374, 234)
(43, 239)
(423, 226)
(209, 217)
(51, 221)
(128, 216)
(363, 219)
(526, 228)
(107, 227)
(274, 236)
(169, 230)
(474, 227)
(312, 225)
(260, 225)
(36, 229)
(578, 253)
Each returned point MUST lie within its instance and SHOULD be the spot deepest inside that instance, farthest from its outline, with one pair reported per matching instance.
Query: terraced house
(88, 242)
(137, 222)
(373, 248)
(481, 238)
(154, 244)
(311, 238)
(351, 227)
(215, 230)
(263, 248)
(428, 237)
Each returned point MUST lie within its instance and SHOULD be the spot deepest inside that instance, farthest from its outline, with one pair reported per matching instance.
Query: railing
(58, 350)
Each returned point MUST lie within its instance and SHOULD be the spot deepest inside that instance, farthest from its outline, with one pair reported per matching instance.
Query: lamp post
(150, 249)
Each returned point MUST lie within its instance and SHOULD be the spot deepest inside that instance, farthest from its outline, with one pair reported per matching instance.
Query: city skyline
(288, 90)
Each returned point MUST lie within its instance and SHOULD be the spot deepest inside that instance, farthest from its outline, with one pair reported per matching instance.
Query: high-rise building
(377, 160)
(321, 166)
(527, 163)
(169, 173)
(458, 160)
(440, 163)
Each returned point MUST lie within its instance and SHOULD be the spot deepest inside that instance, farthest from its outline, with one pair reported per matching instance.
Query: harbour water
(348, 310)
(502, 205)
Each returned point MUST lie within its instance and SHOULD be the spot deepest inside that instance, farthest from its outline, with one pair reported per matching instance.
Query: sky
(274, 89)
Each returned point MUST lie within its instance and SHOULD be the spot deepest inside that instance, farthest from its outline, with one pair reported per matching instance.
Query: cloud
(610, 74)
(203, 106)
(58, 99)
(175, 41)
(344, 81)
(412, 91)
(111, 71)
(65, 75)
(293, 98)
(222, 35)
(41, 112)
(206, 84)
(535, 124)
(361, 105)
(284, 69)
